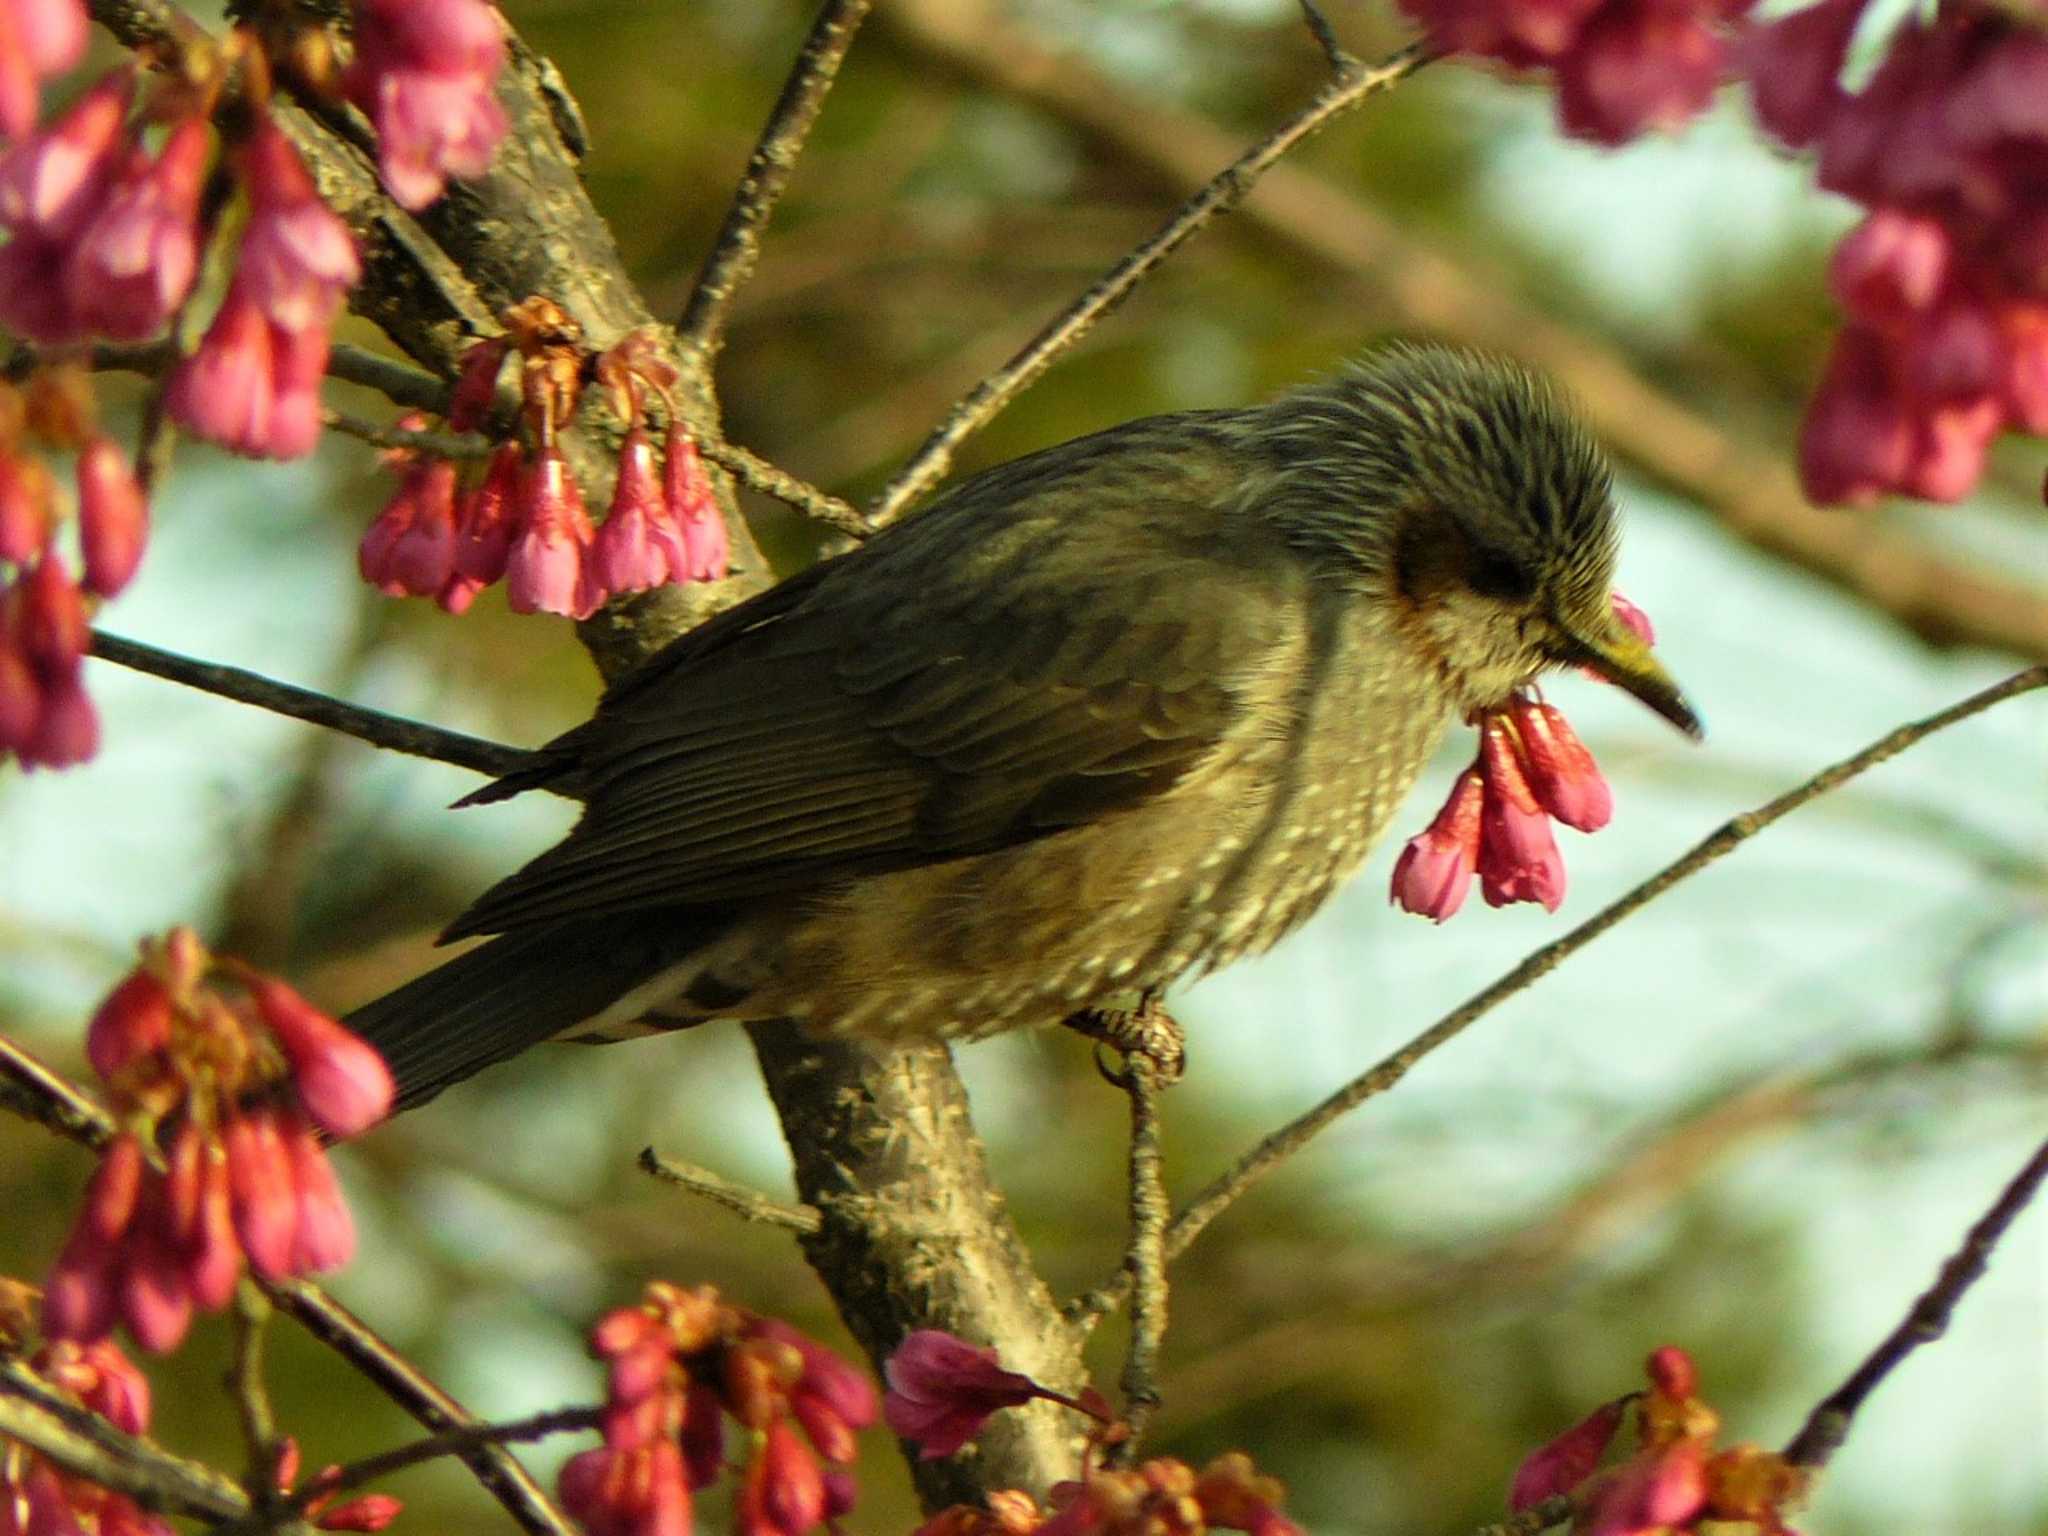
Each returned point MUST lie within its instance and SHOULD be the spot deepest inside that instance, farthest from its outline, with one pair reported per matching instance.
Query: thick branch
(1283, 1143)
(1747, 485)
(738, 245)
(36, 1414)
(1223, 191)
(374, 726)
(1927, 1320)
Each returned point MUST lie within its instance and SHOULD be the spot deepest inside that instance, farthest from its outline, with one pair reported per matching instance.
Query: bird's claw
(1147, 1032)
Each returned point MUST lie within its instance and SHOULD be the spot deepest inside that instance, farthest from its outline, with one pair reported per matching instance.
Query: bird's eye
(1496, 575)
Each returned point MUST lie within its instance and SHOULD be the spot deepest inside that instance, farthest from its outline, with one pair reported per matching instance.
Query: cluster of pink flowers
(222, 1102)
(1532, 769)
(39, 1499)
(253, 384)
(38, 39)
(1622, 66)
(425, 73)
(1676, 1483)
(942, 1390)
(1946, 279)
(524, 520)
(104, 233)
(678, 1364)
(46, 718)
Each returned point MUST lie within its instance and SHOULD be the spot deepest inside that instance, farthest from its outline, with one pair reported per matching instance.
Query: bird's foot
(1146, 1031)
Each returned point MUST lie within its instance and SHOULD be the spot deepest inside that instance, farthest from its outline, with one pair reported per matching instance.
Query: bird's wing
(875, 722)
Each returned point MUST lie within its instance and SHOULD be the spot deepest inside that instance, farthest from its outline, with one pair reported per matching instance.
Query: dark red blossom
(942, 1390)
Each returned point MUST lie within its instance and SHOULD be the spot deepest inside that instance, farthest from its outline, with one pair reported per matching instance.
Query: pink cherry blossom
(38, 39)
(544, 565)
(113, 518)
(425, 73)
(134, 263)
(1435, 869)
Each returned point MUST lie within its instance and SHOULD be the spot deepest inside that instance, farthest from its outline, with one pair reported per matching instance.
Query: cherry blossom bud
(1857, 440)
(264, 1192)
(1673, 1372)
(79, 1299)
(184, 1169)
(154, 1297)
(1567, 782)
(476, 386)
(51, 183)
(1890, 267)
(424, 73)
(1637, 67)
(693, 533)
(369, 1512)
(942, 1390)
(544, 565)
(1564, 1463)
(1633, 618)
(38, 39)
(297, 257)
(703, 1438)
(102, 1378)
(113, 518)
(326, 1235)
(214, 1256)
(1650, 1494)
(53, 633)
(1435, 869)
(134, 1020)
(111, 1197)
(623, 556)
(792, 1495)
(134, 264)
(341, 1080)
(67, 730)
(224, 391)
(25, 497)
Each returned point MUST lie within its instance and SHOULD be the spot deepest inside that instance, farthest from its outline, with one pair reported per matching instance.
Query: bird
(1095, 720)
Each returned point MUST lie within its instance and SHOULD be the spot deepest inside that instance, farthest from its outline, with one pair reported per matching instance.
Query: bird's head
(1461, 491)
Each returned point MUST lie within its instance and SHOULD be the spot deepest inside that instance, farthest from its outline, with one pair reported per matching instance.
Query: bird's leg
(1143, 1028)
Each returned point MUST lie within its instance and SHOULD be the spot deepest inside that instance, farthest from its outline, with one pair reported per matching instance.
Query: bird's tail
(494, 1001)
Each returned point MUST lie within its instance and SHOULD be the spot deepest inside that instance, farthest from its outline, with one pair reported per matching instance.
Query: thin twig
(442, 445)
(1274, 1149)
(406, 1385)
(397, 381)
(1145, 1258)
(748, 1204)
(1925, 1321)
(1326, 37)
(1225, 190)
(371, 725)
(450, 1442)
(738, 245)
(31, 1089)
(36, 1414)
(757, 474)
(252, 1397)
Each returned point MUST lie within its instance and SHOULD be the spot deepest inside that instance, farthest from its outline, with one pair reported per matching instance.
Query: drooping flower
(134, 263)
(113, 517)
(1435, 870)
(942, 1390)
(38, 39)
(222, 1088)
(544, 564)
(425, 74)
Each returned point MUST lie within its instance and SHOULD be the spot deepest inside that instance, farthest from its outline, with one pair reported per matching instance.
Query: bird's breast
(1238, 853)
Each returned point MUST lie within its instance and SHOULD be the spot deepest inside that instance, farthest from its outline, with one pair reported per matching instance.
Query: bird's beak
(1620, 656)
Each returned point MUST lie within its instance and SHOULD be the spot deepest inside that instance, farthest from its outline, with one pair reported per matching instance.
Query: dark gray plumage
(1120, 710)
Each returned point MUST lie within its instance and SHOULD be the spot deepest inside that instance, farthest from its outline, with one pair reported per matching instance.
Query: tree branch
(1222, 192)
(86, 1445)
(1746, 485)
(370, 725)
(1326, 38)
(1145, 1260)
(1290, 1138)
(46, 1097)
(1925, 1321)
(747, 1204)
(738, 246)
